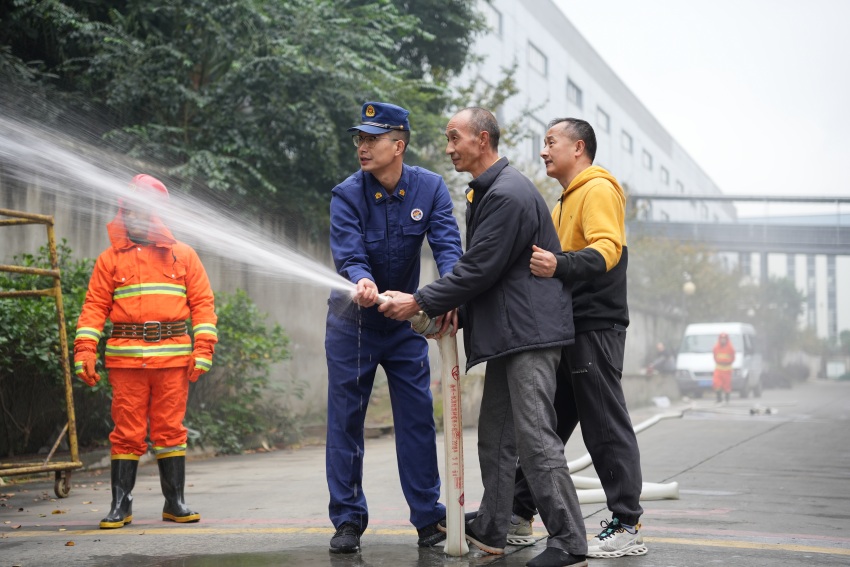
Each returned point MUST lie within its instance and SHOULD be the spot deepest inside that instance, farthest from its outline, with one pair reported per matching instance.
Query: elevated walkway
(827, 234)
(751, 237)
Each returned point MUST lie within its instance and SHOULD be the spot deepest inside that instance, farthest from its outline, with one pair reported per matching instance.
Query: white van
(695, 360)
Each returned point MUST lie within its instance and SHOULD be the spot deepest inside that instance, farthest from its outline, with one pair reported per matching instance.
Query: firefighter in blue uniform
(380, 216)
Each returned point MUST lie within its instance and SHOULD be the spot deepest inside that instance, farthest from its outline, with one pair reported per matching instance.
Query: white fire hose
(589, 489)
(452, 430)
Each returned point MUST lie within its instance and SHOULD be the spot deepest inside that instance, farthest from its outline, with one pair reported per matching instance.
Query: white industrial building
(559, 74)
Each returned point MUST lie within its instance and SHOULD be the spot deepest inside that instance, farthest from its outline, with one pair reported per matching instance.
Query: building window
(493, 17)
(536, 145)
(680, 187)
(626, 142)
(537, 131)
(665, 176)
(537, 60)
(603, 120)
(646, 158)
(574, 94)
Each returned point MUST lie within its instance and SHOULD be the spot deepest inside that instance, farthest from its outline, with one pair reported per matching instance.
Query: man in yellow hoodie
(590, 221)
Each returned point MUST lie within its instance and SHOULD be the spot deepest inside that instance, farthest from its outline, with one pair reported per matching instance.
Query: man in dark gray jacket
(517, 323)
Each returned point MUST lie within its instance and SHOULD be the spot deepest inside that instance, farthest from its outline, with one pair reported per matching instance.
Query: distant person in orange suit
(724, 356)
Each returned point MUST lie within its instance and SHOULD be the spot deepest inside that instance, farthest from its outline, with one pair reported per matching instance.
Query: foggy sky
(756, 91)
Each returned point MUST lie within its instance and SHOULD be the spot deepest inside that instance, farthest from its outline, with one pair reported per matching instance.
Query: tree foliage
(659, 268)
(844, 342)
(774, 307)
(32, 387)
(235, 400)
(247, 98)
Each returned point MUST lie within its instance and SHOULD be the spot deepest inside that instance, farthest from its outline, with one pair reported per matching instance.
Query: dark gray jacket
(505, 308)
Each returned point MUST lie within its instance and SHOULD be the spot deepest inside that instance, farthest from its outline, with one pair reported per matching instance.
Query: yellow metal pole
(63, 343)
(28, 293)
(44, 219)
(28, 270)
(62, 470)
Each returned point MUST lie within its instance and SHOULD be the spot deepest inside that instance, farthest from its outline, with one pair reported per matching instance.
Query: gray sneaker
(520, 531)
(615, 541)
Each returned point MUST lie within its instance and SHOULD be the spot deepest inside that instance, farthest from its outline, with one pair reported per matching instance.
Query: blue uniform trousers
(353, 354)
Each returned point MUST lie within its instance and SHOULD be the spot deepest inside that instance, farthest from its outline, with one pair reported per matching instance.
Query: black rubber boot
(172, 477)
(123, 481)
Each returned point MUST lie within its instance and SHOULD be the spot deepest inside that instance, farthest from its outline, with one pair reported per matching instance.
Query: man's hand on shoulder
(543, 262)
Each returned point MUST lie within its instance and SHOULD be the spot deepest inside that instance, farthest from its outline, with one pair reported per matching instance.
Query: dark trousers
(353, 355)
(589, 391)
(517, 419)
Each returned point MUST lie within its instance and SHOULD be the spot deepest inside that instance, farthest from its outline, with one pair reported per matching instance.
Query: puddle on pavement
(373, 556)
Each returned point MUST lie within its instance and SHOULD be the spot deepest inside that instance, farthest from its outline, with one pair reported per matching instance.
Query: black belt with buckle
(149, 331)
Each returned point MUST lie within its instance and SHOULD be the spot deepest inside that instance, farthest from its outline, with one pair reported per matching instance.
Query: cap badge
(370, 111)
(416, 214)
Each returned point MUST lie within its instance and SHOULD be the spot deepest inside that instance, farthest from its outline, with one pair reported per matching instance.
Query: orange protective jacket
(724, 356)
(162, 281)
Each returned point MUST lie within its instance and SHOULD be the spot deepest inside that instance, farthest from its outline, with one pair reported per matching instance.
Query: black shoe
(346, 539)
(172, 478)
(475, 539)
(554, 557)
(123, 481)
(430, 536)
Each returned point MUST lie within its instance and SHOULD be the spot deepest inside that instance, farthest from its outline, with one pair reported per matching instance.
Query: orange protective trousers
(722, 380)
(140, 396)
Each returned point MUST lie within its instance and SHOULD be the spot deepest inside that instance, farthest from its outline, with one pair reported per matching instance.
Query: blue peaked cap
(382, 117)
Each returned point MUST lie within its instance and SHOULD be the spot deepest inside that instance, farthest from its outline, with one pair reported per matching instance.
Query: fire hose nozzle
(423, 324)
(420, 322)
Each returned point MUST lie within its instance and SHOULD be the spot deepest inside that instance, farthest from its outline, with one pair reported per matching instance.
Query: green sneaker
(520, 531)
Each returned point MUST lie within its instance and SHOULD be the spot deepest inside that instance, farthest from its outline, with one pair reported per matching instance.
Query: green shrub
(32, 388)
(235, 401)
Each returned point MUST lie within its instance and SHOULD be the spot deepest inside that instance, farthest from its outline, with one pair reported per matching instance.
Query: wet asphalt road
(755, 490)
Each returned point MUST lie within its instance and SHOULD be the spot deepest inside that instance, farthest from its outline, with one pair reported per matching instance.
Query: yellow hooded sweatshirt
(590, 220)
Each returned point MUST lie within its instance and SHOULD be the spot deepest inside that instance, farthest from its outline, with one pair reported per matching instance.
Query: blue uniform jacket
(378, 235)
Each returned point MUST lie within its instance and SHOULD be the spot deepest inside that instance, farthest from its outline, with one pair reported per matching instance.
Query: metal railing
(61, 469)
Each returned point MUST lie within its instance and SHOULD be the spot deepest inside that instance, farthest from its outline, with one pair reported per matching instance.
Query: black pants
(589, 392)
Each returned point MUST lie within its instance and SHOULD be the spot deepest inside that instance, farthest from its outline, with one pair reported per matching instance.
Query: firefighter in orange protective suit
(724, 356)
(148, 284)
